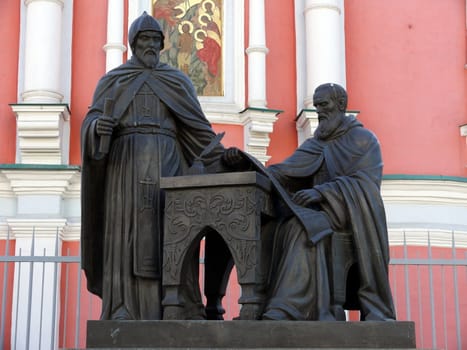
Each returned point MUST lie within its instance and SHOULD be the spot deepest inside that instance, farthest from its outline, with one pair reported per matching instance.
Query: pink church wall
(405, 70)
(88, 63)
(405, 73)
(281, 77)
(9, 32)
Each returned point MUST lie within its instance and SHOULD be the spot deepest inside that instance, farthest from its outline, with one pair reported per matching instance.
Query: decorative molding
(258, 124)
(306, 123)
(114, 46)
(5, 231)
(425, 192)
(43, 133)
(258, 48)
(58, 2)
(72, 231)
(463, 128)
(41, 182)
(5, 187)
(333, 5)
(39, 228)
(42, 95)
(225, 118)
(74, 186)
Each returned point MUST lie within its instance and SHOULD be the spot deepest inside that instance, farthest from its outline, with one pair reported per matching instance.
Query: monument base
(250, 334)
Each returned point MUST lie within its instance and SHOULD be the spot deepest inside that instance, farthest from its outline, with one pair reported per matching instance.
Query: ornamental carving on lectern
(230, 213)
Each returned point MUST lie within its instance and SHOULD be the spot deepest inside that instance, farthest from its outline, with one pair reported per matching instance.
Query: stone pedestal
(250, 334)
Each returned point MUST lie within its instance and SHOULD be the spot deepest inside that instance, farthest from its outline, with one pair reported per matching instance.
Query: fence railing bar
(42, 301)
(432, 297)
(407, 283)
(46, 259)
(428, 262)
(18, 282)
(90, 300)
(65, 311)
(31, 276)
(456, 297)
(4, 289)
(78, 305)
(443, 297)
(394, 287)
(420, 307)
(55, 301)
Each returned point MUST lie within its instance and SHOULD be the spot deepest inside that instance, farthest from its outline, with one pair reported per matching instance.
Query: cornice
(424, 190)
(38, 180)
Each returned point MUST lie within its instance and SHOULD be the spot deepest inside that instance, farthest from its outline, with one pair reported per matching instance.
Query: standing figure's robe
(160, 130)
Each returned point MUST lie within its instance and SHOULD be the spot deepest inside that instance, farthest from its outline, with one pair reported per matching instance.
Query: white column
(43, 126)
(257, 56)
(324, 56)
(114, 47)
(325, 45)
(43, 51)
(36, 285)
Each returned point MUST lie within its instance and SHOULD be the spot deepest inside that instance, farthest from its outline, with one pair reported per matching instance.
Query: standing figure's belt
(146, 129)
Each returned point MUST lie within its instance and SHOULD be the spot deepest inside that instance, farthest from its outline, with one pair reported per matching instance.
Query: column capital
(30, 180)
(258, 124)
(43, 133)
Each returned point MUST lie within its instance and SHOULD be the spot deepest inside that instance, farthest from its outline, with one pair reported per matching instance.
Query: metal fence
(45, 304)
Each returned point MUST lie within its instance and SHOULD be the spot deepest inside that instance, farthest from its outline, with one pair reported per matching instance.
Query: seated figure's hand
(105, 126)
(307, 197)
(233, 158)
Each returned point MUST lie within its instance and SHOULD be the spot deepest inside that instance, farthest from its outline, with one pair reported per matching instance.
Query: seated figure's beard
(326, 127)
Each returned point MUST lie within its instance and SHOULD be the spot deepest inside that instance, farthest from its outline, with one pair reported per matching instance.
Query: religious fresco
(193, 41)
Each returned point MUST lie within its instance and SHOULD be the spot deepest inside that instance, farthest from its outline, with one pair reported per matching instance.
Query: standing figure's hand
(105, 126)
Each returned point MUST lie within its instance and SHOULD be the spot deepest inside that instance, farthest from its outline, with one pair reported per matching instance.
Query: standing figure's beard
(149, 58)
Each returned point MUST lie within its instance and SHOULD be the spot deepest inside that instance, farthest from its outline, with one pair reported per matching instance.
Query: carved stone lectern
(231, 205)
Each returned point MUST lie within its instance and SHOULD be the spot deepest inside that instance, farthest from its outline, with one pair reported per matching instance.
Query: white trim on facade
(425, 192)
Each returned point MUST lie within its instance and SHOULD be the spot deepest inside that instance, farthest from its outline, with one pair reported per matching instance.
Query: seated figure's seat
(344, 275)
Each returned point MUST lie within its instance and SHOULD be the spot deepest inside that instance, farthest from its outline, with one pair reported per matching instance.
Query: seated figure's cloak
(352, 202)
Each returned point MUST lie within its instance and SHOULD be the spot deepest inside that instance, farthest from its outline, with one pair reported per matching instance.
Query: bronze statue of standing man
(145, 122)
